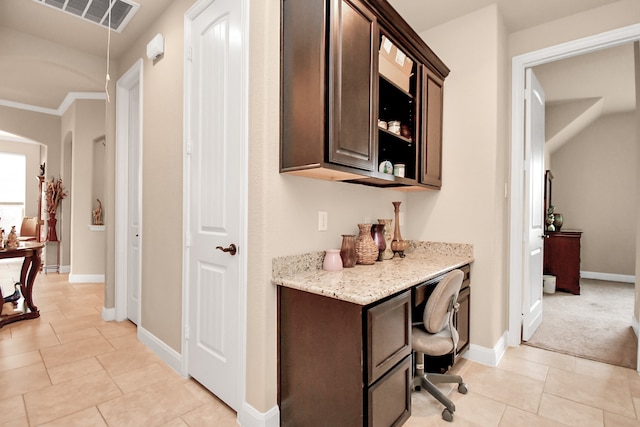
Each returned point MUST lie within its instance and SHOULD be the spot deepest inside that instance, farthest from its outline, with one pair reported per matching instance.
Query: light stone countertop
(366, 284)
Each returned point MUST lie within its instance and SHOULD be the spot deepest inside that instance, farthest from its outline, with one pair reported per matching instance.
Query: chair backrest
(28, 227)
(436, 312)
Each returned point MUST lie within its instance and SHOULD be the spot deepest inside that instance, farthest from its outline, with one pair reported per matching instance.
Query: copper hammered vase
(348, 250)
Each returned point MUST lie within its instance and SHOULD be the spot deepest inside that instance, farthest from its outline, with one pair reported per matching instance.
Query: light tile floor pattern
(70, 368)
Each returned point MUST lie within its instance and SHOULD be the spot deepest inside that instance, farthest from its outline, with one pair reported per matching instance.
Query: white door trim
(243, 122)
(121, 224)
(519, 64)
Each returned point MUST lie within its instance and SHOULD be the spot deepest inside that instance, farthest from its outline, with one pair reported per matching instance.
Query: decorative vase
(348, 250)
(558, 220)
(377, 233)
(388, 252)
(52, 236)
(397, 244)
(332, 260)
(366, 248)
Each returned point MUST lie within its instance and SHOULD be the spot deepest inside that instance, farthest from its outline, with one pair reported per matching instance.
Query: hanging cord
(107, 77)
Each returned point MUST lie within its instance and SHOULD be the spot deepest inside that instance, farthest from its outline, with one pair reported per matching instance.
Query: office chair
(436, 336)
(28, 229)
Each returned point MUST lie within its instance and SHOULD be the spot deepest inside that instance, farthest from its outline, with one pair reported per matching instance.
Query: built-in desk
(344, 338)
(25, 309)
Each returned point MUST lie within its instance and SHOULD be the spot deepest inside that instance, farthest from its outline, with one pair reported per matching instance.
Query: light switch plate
(323, 221)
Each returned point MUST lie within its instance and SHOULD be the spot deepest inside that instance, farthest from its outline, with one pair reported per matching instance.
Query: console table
(25, 309)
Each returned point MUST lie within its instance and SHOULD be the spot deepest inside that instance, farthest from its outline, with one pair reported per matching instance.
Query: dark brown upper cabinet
(333, 95)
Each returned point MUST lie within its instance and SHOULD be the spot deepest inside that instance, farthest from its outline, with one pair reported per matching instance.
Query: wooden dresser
(562, 259)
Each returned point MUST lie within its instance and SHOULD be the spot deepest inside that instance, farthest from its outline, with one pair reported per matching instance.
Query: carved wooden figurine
(97, 214)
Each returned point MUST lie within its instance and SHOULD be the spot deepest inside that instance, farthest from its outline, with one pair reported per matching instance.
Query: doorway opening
(518, 277)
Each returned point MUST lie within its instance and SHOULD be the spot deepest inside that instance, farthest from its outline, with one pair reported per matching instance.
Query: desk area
(344, 338)
(24, 309)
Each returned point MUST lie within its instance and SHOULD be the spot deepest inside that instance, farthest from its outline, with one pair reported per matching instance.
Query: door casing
(517, 275)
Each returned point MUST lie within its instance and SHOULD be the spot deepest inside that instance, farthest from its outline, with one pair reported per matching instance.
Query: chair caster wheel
(462, 388)
(447, 415)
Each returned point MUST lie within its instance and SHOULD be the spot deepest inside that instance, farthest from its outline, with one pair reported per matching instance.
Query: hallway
(70, 368)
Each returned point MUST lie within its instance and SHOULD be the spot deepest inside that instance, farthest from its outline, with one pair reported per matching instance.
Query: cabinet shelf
(395, 86)
(396, 136)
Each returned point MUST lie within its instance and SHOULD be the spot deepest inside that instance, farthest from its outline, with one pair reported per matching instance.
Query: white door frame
(519, 63)
(242, 175)
(121, 224)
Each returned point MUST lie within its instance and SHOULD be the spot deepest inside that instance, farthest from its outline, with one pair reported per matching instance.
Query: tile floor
(70, 368)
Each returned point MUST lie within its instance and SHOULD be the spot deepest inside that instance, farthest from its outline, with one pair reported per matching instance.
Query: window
(12, 190)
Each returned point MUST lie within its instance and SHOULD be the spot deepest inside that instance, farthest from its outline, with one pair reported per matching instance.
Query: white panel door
(134, 174)
(215, 168)
(534, 215)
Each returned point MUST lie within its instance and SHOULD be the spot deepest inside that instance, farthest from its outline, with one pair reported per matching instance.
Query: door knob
(232, 249)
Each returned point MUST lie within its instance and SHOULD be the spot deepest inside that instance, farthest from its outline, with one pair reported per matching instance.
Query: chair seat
(431, 344)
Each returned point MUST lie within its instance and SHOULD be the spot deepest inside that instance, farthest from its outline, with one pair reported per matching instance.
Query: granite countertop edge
(366, 284)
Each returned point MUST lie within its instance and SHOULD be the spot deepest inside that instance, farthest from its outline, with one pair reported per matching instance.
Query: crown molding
(64, 105)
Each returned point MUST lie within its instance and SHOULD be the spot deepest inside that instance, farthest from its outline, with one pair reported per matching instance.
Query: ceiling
(46, 87)
(51, 24)
(517, 14)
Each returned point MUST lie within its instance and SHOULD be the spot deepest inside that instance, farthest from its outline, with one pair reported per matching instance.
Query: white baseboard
(487, 356)
(163, 351)
(248, 416)
(86, 278)
(607, 276)
(108, 314)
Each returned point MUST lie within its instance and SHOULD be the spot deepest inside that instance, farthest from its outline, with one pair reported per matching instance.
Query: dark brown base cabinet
(562, 259)
(343, 364)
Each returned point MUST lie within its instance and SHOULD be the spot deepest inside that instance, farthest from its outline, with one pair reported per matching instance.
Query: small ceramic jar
(398, 170)
(332, 260)
(394, 127)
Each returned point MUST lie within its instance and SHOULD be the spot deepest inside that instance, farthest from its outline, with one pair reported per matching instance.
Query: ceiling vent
(97, 11)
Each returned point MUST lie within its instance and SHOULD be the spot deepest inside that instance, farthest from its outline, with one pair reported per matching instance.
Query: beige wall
(162, 155)
(594, 187)
(40, 127)
(605, 18)
(83, 122)
(471, 207)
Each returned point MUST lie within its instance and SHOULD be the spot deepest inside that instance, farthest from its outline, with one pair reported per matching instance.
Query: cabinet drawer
(388, 335)
(389, 399)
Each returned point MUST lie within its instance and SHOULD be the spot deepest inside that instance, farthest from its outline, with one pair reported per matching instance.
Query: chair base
(428, 381)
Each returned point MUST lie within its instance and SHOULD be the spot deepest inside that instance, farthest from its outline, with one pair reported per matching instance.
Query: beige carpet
(594, 325)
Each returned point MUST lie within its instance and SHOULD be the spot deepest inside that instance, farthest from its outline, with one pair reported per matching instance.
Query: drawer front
(388, 334)
(389, 400)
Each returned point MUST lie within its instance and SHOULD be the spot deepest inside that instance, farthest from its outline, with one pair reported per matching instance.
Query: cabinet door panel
(353, 32)
(431, 161)
(390, 398)
(388, 334)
